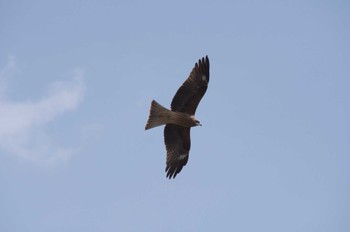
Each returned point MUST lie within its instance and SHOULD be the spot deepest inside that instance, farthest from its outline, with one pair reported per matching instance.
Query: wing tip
(171, 172)
(173, 169)
(207, 59)
(203, 66)
(204, 62)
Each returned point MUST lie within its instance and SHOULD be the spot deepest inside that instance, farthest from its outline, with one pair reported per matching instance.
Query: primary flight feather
(179, 120)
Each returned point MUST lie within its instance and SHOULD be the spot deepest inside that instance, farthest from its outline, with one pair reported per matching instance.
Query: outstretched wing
(192, 90)
(178, 143)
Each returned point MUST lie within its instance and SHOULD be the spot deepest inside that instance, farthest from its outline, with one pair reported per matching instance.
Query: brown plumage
(179, 120)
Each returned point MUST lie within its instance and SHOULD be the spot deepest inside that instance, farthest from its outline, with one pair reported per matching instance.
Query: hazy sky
(76, 81)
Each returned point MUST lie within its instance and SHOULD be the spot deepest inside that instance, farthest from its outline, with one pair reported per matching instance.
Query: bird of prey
(179, 120)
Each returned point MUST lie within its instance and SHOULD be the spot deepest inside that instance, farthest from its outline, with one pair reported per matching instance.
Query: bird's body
(179, 120)
(162, 116)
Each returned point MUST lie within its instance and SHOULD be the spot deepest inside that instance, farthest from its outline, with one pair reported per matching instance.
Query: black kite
(179, 120)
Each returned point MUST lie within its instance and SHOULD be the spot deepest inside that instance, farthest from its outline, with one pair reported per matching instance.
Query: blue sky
(76, 82)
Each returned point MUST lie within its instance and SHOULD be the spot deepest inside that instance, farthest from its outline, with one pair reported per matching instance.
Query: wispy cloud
(22, 124)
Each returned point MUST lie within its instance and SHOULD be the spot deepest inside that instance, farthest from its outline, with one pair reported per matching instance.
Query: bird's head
(195, 122)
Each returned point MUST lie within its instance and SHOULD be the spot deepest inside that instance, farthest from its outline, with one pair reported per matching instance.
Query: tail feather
(157, 115)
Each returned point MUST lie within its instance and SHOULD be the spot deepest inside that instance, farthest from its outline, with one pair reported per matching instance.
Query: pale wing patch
(204, 78)
(181, 157)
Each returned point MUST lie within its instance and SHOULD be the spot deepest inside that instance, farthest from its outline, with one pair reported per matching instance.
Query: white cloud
(22, 124)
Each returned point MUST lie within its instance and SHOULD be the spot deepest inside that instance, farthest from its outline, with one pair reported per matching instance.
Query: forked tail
(157, 115)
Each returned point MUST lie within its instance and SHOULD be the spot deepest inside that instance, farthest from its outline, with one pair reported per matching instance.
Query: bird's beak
(199, 124)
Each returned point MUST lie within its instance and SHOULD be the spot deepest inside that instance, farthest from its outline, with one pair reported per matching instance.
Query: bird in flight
(179, 120)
